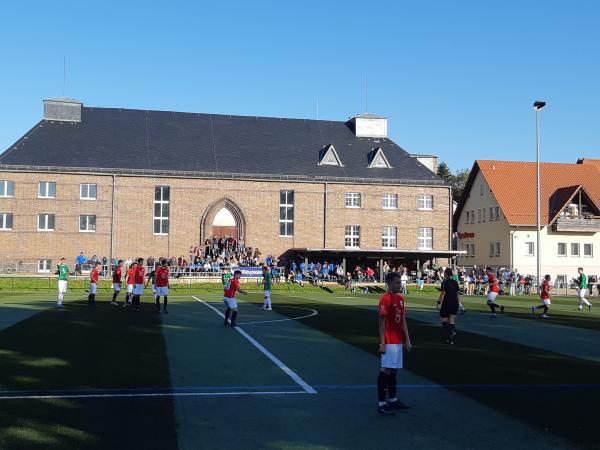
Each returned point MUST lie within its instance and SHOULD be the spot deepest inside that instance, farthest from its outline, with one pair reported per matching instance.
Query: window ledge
(88, 198)
(87, 231)
(45, 229)
(286, 235)
(424, 209)
(160, 234)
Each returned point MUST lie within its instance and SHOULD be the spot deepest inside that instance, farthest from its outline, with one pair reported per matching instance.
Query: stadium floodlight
(537, 107)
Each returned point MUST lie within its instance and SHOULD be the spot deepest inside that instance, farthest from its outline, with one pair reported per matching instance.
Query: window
(388, 237)
(87, 191)
(389, 201)
(575, 250)
(352, 200)
(468, 217)
(491, 213)
(562, 249)
(352, 236)
(491, 249)
(497, 212)
(45, 222)
(87, 224)
(7, 188)
(44, 265)
(497, 244)
(47, 189)
(529, 248)
(483, 214)
(481, 189)
(588, 250)
(472, 216)
(161, 209)
(6, 221)
(286, 213)
(479, 216)
(470, 249)
(425, 201)
(425, 241)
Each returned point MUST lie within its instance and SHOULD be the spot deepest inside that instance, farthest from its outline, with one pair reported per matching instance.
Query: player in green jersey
(582, 287)
(226, 276)
(267, 278)
(63, 274)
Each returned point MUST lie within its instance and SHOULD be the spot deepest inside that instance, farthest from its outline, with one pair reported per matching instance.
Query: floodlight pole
(537, 107)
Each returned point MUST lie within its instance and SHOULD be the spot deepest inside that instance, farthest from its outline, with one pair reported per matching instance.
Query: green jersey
(583, 281)
(63, 272)
(267, 277)
(225, 278)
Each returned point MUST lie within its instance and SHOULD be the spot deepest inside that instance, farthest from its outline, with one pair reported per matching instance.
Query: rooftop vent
(62, 109)
(369, 125)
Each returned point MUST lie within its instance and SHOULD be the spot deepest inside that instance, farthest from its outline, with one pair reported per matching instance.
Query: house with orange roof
(496, 219)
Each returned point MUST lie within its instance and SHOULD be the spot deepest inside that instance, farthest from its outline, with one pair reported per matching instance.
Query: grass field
(301, 376)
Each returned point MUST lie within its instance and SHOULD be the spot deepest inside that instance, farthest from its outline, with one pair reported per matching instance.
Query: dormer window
(377, 159)
(329, 157)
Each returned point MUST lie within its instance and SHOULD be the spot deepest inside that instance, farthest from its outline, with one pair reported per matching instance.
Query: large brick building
(127, 182)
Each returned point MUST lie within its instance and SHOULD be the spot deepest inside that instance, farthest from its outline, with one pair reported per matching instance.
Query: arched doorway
(223, 218)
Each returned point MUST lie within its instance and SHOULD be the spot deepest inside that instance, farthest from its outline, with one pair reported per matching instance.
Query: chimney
(368, 125)
(63, 109)
(429, 161)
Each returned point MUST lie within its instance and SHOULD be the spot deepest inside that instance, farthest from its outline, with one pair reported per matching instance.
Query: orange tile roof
(595, 162)
(513, 183)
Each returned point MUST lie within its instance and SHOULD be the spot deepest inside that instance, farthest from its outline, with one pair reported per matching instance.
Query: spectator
(79, 262)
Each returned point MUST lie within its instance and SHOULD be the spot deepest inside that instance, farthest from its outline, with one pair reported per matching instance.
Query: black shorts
(448, 309)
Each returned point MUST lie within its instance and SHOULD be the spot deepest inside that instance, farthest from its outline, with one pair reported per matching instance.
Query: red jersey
(545, 293)
(493, 287)
(231, 287)
(129, 276)
(117, 275)
(138, 275)
(161, 277)
(94, 274)
(392, 307)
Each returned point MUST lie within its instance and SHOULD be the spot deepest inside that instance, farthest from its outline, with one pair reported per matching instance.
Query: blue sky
(456, 79)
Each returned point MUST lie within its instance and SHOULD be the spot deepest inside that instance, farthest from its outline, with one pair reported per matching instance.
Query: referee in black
(449, 305)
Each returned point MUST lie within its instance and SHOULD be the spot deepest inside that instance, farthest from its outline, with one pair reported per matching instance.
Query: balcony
(578, 225)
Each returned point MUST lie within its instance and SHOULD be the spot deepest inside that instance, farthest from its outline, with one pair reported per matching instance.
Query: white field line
(146, 394)
(293, 375)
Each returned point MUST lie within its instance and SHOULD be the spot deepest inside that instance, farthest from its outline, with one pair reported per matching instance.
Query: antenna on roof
(64, 75)
(366, 92)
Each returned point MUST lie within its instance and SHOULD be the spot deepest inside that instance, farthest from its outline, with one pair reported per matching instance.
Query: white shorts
(268, 294)
(230, 302)
(62, 286)
(138, 289)
(491, 296)
(130, 288)
(582, 293)
(93, 288)
(162, 291)
(117, 287)
(546, 302)
(392, 358)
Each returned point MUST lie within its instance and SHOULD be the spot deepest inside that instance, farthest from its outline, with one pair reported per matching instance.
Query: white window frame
(87, 228)
(46, 221)
(483, 214)
(44, 265)
(479, 215)
(425, 202)
(528, 245)
(591, 247)
(472, 247)
(5, 184)
(497, 213)
(389, 236)
(468, 218)
(389, 201)
(425, 238)
(46, 189)
(576, 254)
(162, 218)
(492, 249)
(352, 198)
(497, 248)
(87, 188)
(284, 206)
(4, 221)
(558, 253)
(492, 217)
(352, 236)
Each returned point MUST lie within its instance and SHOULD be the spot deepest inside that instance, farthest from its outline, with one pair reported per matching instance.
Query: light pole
(537, 107)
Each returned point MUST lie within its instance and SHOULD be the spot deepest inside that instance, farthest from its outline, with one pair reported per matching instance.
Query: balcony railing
(584, 225)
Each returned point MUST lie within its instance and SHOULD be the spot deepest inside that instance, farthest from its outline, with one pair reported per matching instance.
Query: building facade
(496, 223)
(127, 183)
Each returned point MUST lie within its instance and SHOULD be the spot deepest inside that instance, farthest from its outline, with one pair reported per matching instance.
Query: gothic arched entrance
(223, 217)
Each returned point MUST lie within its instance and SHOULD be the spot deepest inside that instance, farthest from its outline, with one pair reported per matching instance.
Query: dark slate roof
(111, 138)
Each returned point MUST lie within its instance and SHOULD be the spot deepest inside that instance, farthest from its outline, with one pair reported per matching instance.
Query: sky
(454, 78)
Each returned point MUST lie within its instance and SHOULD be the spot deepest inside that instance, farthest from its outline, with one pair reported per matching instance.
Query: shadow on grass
(485, 362)
(85, 348)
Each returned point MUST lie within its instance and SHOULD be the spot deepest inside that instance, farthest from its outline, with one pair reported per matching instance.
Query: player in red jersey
(138, 283)
(493, 292)
(94, 275)
(545, 296)
(161, 276)
(129, 281)
(393, 335)
(117, 273)
(232, 285)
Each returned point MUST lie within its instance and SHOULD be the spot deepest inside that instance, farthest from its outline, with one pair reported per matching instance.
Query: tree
(456, 180)
(444, 172)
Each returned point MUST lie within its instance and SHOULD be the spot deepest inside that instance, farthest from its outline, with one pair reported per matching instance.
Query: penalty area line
(293, 375)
